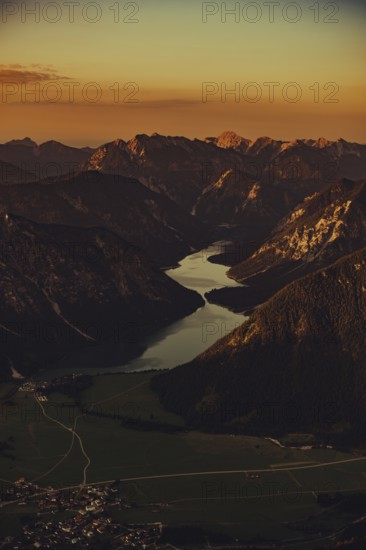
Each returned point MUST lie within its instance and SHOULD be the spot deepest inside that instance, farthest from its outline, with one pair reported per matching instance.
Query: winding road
(74, 434)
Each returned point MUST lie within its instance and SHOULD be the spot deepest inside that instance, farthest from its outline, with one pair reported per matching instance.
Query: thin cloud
(20, 74)
(169, 103)
(141, 103)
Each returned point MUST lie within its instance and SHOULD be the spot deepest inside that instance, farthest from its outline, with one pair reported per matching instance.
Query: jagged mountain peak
(138, 145)
(157, 141)
(323, 142)
(54, 146)
(25, 142)
(232, 140)
(318, 231)
(264, 142)
(119, 142)
(297, 143)
(109, 152)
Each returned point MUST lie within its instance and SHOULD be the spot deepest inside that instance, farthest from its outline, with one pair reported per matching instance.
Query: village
(43, 386)
(82, 518)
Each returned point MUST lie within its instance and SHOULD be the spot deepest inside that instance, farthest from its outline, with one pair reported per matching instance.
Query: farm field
(116, 429)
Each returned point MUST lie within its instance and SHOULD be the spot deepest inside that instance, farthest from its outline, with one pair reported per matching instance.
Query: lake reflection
(185, 339)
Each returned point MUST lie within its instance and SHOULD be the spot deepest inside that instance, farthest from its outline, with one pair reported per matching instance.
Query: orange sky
(174, 72)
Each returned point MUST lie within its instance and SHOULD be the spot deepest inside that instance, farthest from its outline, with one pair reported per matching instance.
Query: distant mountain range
(295, 213)
(48, 160)
(228, 180)
(174, 166)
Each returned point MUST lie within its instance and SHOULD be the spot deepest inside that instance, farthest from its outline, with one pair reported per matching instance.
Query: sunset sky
(169, 52)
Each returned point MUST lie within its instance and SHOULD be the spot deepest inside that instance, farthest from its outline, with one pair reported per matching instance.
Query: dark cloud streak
(19, 74)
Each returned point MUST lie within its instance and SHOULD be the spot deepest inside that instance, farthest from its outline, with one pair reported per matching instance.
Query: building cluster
(43, 386)
(20, 491)
(37, 388)
(82, 519)
(30, 387)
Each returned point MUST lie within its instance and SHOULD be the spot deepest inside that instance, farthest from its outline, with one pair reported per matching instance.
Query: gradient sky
(169, 53)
